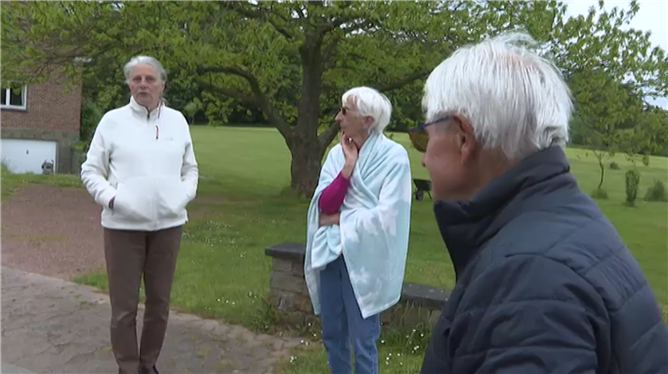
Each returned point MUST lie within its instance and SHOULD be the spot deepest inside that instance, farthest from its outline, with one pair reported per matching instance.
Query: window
(13, 97)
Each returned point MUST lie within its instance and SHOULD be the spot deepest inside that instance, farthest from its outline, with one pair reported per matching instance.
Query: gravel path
(54, 231)
(50, 325)
(51, 231)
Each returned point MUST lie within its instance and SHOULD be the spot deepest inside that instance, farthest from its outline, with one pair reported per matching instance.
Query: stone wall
(420, 304)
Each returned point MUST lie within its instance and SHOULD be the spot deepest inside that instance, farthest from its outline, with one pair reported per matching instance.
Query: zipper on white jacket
(157, 129)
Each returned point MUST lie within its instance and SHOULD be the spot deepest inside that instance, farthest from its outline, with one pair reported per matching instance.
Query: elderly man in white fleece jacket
(141, 169)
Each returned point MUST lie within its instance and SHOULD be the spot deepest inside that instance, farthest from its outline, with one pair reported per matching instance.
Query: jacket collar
(466, 225)
(140, 109)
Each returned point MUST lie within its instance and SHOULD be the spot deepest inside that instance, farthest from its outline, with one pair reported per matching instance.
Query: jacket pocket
(133, 200)
(172, 197)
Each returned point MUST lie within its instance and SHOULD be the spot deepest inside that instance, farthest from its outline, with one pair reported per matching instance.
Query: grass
(399, 352)
(11, 181)
(222, 270)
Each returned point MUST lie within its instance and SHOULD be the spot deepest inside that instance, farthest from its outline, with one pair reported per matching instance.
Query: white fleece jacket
(146, 163)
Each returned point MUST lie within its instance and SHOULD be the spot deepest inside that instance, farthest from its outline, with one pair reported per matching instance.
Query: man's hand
(329, 219)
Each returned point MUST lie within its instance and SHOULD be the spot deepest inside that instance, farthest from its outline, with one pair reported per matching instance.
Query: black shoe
(152, 370)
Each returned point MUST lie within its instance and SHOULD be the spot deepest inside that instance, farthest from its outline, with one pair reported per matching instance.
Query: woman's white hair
(370, 102)
(144, 60)
(516, 100)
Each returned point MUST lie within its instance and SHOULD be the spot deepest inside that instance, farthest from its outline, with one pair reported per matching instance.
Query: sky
(652, 16)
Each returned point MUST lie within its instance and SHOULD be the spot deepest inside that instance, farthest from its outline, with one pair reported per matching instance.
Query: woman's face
(146, 86)
(351, 122)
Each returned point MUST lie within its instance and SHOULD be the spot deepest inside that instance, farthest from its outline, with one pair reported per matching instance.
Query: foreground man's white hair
(370, 102)
(516, 100)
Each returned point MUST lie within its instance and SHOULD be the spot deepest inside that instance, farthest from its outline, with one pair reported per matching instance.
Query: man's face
(146, 86)
(449, 159)
(350, 121)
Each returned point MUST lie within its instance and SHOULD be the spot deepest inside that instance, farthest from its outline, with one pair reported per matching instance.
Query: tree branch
(367, 25)
(300, 12)
(247, 99)
(328, 135)
(328, 27)
(257, 15)
(404, 81)
(255, 85)
(259, 97)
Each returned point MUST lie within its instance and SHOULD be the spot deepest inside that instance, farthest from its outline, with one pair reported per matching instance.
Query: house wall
(53, 112)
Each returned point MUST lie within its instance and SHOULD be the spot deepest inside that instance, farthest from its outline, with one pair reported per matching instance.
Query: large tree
(606, 109)
(290, 60)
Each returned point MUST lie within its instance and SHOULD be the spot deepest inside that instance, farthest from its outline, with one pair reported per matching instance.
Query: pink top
(332, 196)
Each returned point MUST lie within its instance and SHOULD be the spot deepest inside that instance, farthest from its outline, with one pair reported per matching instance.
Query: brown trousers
(129, 255)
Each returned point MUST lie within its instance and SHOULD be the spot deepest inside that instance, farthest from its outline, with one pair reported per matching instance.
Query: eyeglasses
(418, 134)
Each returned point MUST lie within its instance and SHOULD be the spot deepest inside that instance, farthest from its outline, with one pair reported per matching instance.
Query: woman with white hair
(141, 169)
(357, 232)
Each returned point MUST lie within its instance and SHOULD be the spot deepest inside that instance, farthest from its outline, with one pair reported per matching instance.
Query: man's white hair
(516, 100)
(370, 102)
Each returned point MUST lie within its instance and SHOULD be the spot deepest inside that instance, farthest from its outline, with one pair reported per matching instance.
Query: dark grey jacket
(544, 283)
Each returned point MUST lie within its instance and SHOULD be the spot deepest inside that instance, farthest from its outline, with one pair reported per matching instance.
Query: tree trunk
(602, 166)
(306, 149)
(305, 166)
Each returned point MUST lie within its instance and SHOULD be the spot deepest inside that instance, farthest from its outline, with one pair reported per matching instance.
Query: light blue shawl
(374, 225)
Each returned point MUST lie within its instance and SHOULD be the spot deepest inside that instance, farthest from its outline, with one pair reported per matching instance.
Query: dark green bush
(656, 192)
(632, 183)
(90, 117)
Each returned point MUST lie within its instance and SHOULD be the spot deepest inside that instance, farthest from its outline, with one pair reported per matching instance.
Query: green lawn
(223, 272)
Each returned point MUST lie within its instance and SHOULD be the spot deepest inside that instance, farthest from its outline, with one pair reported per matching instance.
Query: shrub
(632, 183)
(645, 160)
(90, 117)
(80, 149)
(656, 192)
(600, 194)
(614, 166)
(191, 109)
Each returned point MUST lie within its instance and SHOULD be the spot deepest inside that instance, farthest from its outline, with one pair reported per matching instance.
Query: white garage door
(27, 156)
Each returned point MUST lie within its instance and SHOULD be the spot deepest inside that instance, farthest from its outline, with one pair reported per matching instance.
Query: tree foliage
(648, 136)
(611, 69)
(293, 60)
(607, 106)
(612, 118)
